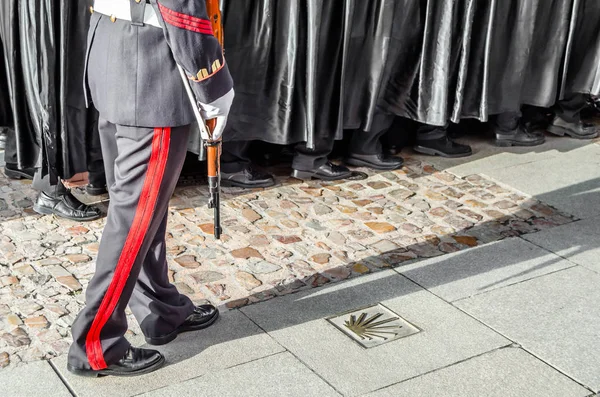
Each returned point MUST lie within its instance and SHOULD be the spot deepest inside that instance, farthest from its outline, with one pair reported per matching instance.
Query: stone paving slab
(295, 236)
(462, 274)
(447, 335)
(508, 372)
(34, 380)
(279, 375)
(232, 341)
(555, 317)
(578, 242)
(568, 182)
(487, 157)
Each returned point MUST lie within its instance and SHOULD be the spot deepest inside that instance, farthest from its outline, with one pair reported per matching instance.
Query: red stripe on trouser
(133, 243)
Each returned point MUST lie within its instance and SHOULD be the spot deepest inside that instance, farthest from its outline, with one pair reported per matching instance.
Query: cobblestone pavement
(277, 241)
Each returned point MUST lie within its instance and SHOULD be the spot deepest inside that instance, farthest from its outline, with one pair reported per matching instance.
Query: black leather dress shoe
(444, 147)
(375, 161)
(519, 137)
(135, 362)
(203, 317)
(326, 172)
(95, 190)
(65, 206)
(248, 178)
(578, 130)
(591, 113)
(12, 171)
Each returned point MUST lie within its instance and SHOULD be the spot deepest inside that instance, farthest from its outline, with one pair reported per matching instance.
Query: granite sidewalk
(492, 262)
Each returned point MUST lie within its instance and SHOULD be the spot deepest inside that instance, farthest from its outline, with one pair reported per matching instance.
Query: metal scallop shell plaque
(373, 326)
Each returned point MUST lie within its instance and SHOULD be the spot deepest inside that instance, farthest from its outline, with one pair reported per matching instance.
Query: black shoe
(95, 190)
(248, 178)
(12, 171)
(135, 362)
(65, 206)
(444, 147)
(375, 161)
(518, 137)
(591, 113)
(203, 317)
(578, 130)
(326, 172)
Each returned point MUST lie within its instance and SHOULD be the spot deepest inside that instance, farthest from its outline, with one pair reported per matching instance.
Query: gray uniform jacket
(132, 75)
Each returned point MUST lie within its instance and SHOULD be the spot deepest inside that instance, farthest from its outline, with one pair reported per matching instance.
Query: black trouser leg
(427, 132)
(369, 142)
(433, 140)
(365, 142)
(569, 109)
(97, 175)
(10, 151)
(310, 159)
(507, 122)
(42, 184)
(235, 156)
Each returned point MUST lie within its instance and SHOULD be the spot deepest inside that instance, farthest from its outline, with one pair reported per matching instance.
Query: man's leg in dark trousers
(42, 184)
(10, 151)
(569, 108)
(307, 159)
(57, 199)
(237, 170)
(366, 149)
(434, 141)
(235, 157)
(11, 166)
(145, 175)
(567, 120)
(369, 142)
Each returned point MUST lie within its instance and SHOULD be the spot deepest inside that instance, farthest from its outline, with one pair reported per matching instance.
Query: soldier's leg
(146, 170)
(156, 304)
(155, 301)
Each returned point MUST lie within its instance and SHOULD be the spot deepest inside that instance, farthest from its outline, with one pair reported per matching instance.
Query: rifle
(213, 147)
